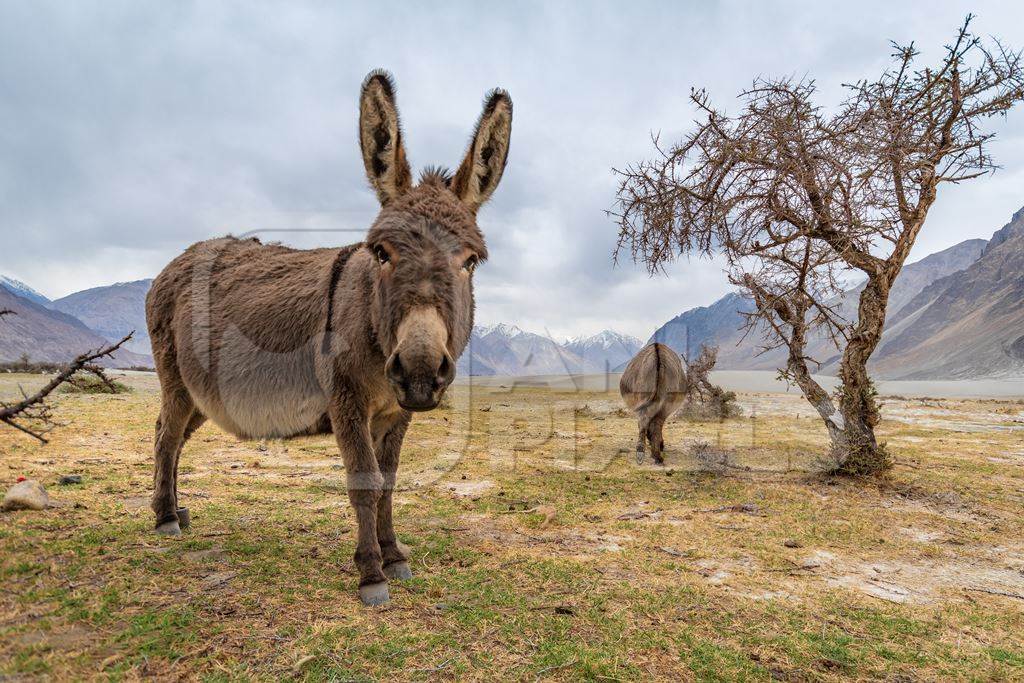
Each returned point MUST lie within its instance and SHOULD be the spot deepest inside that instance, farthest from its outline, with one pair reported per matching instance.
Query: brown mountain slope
(968, 324)
(720, 323)
(51, 336)
(113, 311)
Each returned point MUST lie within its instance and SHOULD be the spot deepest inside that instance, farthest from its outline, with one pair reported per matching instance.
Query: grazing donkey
(653, 385)
(268, 341)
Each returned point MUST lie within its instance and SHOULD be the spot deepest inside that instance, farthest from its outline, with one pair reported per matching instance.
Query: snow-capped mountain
(505, 349)
(502, 329)
(19, 288)
(605, 350)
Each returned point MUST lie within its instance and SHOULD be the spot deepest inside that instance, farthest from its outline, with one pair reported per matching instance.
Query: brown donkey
(268, 341)
(653, 385)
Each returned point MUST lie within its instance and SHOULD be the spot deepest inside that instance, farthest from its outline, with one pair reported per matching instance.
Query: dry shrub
(708, 458)
(93, 385)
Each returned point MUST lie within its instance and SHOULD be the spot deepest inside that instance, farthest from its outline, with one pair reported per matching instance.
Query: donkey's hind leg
(655, 437)
(194, 423)
(641, 438)
(176, 412)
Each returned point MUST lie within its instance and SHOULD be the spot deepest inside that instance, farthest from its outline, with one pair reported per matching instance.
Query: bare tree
(33, 415)
(795, 195)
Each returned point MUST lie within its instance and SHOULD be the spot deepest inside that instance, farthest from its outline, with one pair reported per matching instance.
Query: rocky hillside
(51, 336)
(113, 311)
(721, 323)
(968, 324)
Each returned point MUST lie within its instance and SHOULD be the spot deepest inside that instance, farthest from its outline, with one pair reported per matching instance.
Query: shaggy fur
(268, 341)
(653, 385)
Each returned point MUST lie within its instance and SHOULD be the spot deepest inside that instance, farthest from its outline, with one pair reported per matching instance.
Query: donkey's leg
(194, 423)
(364, 484)
(656, 438)
(175, 413)
(394, 555)
(641, 437)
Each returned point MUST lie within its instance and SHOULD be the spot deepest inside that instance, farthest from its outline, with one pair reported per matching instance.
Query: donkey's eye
(381, 254)
(470, 264)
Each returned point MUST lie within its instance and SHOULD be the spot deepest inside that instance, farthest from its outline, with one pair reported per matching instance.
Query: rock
(26, 495)
(70, 479)
(791, 543)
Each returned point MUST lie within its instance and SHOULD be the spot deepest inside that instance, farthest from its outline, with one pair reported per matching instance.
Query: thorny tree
(795, 195)
(33, 414)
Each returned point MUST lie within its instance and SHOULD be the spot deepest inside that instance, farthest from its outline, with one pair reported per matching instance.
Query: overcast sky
(130, 130)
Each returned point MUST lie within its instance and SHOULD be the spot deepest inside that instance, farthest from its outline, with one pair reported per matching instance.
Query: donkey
(272, 342)
(653, 385)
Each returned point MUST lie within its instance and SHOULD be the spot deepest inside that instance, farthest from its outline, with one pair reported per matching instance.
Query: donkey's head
(425, 243)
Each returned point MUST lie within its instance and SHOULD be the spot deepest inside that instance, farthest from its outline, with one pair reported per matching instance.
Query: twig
(34, 408)
(993, 591)
(556, 667)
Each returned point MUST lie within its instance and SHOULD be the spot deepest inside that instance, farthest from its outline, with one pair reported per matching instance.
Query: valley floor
(541, 549)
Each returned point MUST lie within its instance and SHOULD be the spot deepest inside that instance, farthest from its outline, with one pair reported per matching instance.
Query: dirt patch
(468, 488)
(136, 503)
(916, 582)
(921, 535)
(72, 638)
(208, 555)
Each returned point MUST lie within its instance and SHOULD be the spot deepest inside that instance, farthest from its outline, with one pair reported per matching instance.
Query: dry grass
(541, 550)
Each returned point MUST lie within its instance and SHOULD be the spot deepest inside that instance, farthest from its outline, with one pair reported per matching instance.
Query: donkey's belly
(267, 415)
(262, 395)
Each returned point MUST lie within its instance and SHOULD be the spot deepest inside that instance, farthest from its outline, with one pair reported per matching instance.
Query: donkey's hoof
(639, 457)
(184, 519)
(398, 570)
(169, 529)
(374, 594)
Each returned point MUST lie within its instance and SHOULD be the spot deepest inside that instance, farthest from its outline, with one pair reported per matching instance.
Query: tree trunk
(796, 368)
(858, 398)
(821, 402)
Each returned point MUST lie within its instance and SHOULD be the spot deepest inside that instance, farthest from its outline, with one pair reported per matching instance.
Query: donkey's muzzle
(419, 383)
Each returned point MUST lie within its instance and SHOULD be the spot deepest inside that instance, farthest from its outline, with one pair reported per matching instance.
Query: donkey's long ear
(380, 138)
(481, 170)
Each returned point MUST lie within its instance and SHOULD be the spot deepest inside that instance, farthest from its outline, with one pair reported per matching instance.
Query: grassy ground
(542, 551)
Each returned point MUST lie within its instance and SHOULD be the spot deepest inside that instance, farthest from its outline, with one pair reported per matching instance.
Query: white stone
(26, 495)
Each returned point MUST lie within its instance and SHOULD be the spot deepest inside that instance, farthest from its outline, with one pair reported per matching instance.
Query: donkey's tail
(656, 393)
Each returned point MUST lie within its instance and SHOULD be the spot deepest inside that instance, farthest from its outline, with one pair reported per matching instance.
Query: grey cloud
(130, 129)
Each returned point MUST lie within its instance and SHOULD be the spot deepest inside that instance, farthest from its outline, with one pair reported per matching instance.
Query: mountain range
(507, 350)
(58, 330)
(46, 335)
(113, 311)
(958, 313)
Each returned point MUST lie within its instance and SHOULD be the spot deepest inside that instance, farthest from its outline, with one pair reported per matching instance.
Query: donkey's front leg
(364, 483)
(389, 445)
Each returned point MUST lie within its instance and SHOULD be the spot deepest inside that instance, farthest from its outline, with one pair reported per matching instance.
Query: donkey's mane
(436, 175)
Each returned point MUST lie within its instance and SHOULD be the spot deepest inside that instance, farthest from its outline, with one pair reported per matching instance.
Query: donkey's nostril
(394, 370)
(445, 373)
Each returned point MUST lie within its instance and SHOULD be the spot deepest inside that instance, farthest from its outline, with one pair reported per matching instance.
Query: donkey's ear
(481, 170)
(380, 138)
